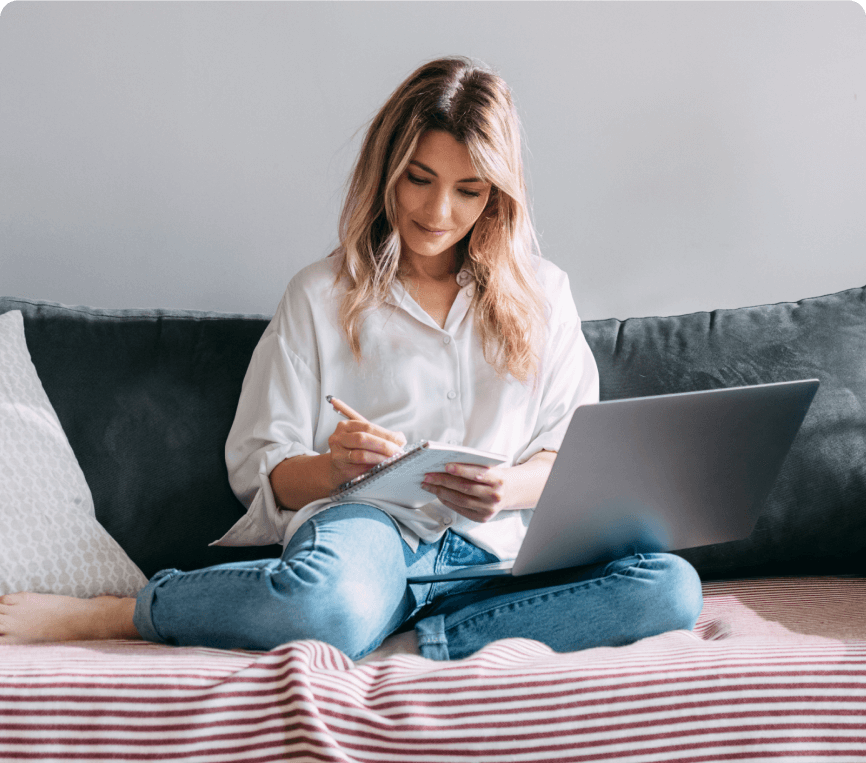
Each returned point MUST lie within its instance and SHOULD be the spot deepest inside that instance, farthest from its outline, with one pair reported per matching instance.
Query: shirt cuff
(264, 522)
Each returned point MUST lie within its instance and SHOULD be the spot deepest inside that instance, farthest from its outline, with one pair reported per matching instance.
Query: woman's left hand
(476, 492)
(481, 492)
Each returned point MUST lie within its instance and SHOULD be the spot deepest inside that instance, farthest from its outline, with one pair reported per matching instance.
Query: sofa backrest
(147, 397)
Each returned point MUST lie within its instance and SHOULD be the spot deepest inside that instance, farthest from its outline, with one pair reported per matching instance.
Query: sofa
(774, 669)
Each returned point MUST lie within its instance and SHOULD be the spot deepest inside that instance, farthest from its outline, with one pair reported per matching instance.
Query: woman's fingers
(472, 496)
(475, 492)
(360, 456)
(357, 435)
(356, 446)
(398, 438)
(367, 427)
(480, 512)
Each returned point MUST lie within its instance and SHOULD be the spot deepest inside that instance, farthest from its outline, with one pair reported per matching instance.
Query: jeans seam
(422, 640)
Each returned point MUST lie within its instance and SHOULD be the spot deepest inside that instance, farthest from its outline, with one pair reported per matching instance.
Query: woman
(437, 320)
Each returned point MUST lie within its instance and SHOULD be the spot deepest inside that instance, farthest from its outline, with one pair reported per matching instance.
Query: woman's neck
(432, 283)
(443, 267)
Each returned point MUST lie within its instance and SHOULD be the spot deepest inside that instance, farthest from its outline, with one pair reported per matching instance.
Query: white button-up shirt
(428, 382)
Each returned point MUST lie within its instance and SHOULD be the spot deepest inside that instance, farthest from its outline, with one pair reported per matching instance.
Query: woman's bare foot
(399, 643)
(27, 618)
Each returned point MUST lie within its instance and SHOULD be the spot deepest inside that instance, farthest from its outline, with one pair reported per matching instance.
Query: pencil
(344, 410)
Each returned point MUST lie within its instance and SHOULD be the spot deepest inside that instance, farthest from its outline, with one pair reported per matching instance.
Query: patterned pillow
(50, 539)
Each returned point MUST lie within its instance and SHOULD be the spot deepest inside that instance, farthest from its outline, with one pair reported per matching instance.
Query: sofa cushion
(146, 398)
(814, 519)
(51, 540)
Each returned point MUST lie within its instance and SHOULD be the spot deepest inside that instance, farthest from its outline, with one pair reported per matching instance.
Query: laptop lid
(663, 473)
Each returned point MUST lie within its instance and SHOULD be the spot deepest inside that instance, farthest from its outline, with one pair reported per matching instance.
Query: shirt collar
(399, 297)
(465, 277)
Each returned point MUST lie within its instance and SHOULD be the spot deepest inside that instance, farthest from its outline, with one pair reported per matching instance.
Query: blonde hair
(473, 105)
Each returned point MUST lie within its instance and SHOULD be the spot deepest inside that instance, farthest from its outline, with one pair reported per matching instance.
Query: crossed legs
(342, 579)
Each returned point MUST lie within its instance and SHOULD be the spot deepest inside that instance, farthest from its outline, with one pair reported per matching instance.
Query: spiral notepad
(398, 479)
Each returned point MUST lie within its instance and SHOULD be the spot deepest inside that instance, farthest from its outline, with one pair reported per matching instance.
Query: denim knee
(346, 613)
(341, 580)
(662, 592)
(345, 578)
(679, 594)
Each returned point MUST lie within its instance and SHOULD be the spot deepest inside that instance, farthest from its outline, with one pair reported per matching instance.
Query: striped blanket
(775, 669)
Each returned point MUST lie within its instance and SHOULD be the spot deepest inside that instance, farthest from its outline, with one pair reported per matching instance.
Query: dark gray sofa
(147, 397)
(774, 667)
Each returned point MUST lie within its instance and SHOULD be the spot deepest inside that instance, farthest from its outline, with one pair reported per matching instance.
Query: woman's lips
(431, 231)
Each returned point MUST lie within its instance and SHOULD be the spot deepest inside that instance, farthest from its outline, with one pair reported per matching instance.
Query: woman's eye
(416, 180)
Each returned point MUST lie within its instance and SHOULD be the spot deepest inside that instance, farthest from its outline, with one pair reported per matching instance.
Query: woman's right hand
(357, 446)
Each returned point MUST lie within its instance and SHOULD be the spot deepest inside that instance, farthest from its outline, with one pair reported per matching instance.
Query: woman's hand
(476, 492)
(481, 492)
(356, 446)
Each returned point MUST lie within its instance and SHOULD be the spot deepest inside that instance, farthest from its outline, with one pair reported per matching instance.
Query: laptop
(660, 473)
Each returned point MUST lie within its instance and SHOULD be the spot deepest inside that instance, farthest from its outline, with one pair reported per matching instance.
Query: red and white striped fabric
(775, 669)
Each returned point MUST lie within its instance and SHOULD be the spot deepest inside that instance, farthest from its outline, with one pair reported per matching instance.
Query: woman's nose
(439, 206)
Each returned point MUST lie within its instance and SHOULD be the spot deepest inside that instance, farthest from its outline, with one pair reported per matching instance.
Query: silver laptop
(659, 473)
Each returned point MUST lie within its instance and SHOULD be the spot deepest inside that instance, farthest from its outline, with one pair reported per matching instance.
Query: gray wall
(681, 156)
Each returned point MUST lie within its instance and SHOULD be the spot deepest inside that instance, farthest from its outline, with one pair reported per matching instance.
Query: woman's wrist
(300, 480)
(526, 481)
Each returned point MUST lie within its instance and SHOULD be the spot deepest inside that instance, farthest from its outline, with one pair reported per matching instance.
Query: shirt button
(446, 340)
(447, 521)
(452, 394)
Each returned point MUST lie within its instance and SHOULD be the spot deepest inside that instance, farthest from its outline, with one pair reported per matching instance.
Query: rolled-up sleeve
(568, 377)
(273, 421)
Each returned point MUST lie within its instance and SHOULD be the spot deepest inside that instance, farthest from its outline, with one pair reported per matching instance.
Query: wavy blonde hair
(474, 105)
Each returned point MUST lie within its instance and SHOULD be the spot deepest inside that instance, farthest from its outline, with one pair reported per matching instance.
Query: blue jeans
(343, 579)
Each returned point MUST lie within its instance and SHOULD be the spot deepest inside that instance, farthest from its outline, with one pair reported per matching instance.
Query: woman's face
(439, 197)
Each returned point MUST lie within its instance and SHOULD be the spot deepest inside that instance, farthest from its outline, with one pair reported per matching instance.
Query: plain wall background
(681, 156)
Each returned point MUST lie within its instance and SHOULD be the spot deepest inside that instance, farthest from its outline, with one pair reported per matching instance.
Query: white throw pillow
(50, 540)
